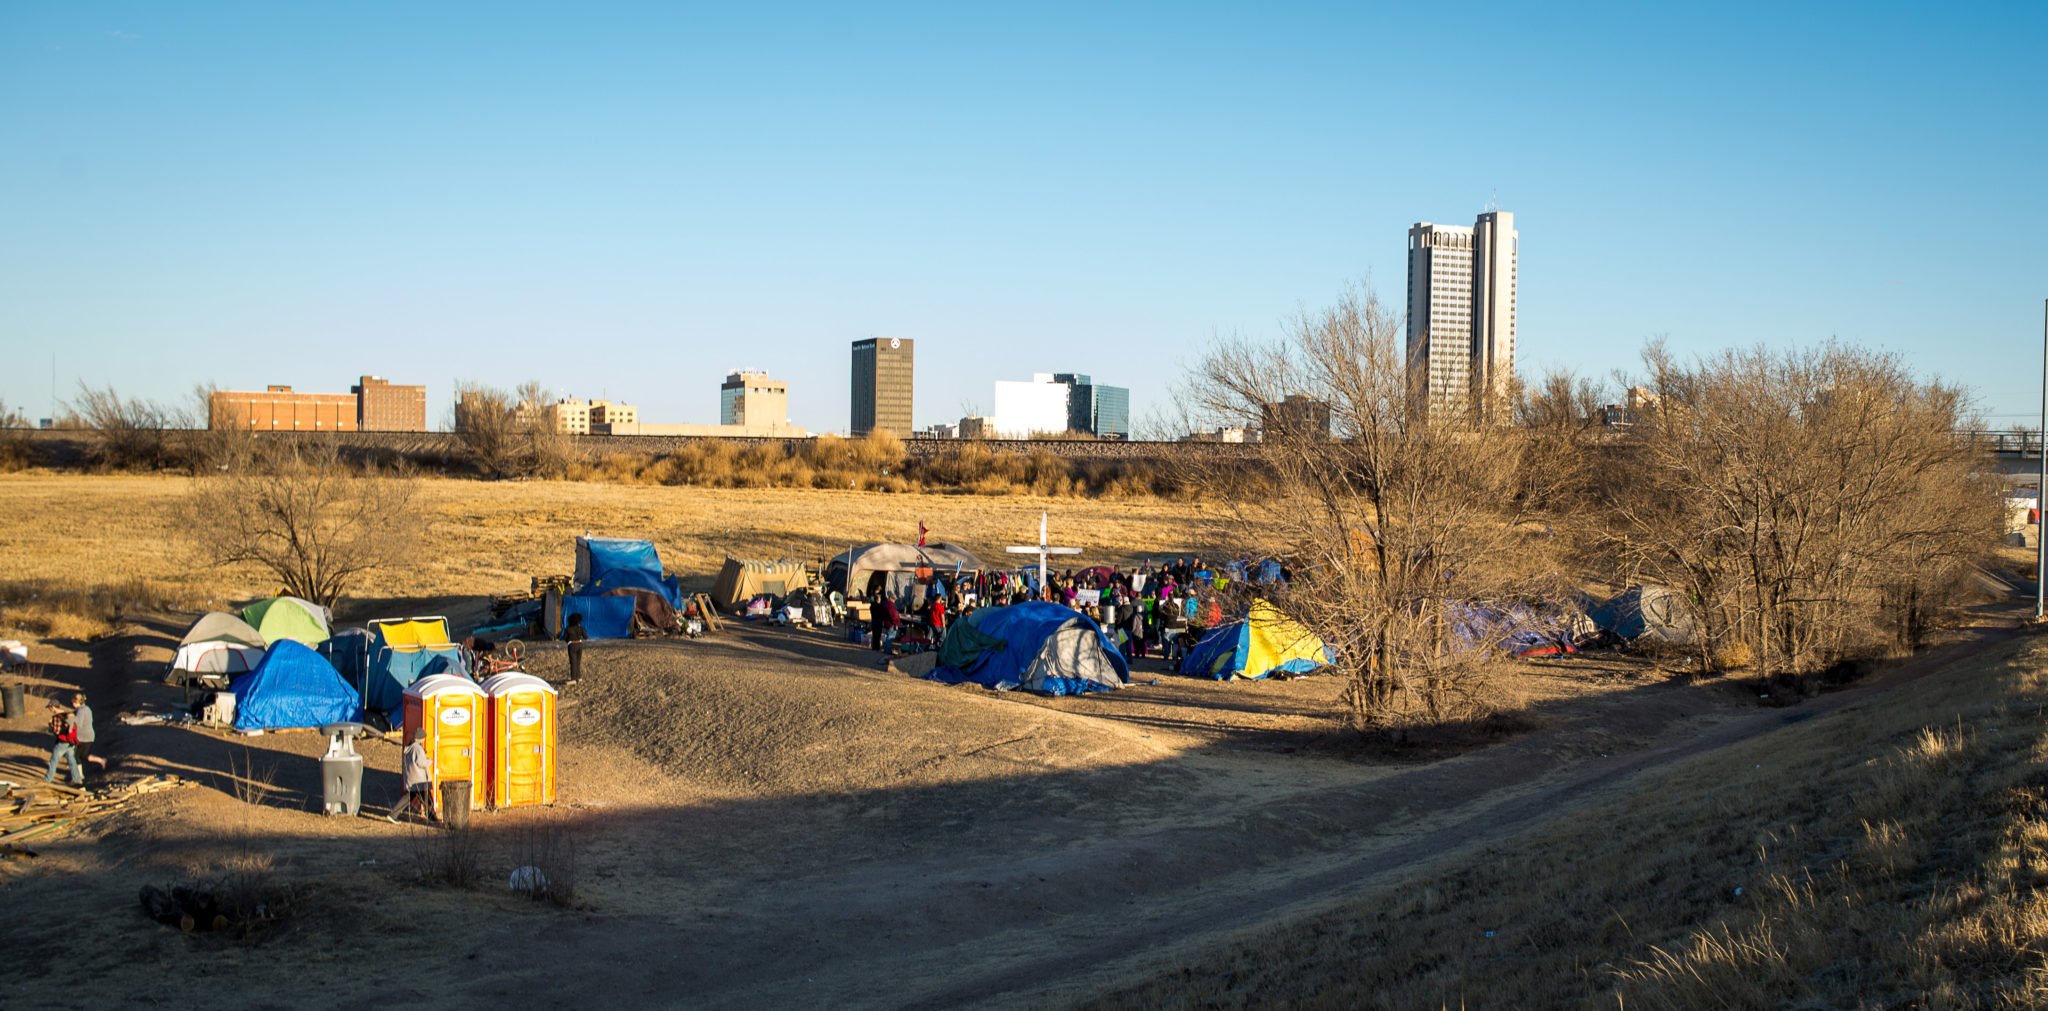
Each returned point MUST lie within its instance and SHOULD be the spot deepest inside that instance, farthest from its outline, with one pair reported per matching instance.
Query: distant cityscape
(1460, 312)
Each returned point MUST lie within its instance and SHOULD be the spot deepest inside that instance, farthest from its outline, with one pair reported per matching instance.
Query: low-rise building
(282, 409)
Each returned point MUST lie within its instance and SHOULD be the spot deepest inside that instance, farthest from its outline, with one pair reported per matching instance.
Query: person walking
(65, 747)
(418, 768)
(575, 635)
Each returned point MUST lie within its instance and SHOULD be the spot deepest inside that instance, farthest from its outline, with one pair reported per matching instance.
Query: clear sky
(631, 199)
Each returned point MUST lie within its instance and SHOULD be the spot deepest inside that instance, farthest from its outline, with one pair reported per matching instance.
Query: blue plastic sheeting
(293, 687)
(603, 617)
(348, 650)
(1515, 628)
(612, 563)
(392, 671)
(1015, 636)
(1213, 651)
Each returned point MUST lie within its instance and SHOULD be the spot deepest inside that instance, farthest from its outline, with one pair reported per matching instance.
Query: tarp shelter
(1265, 642)
(649, 609)
(603, 617)
(1647, 613)
(1037, 646)
(852, 572)
(402, 651)
(293, 687)
(291, 618)
(348, 652)
(611, 563)
(740, 581)
(218, 643)
(1520, 629)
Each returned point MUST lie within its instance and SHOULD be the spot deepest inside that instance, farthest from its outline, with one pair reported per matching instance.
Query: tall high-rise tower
(1461, 313)
(882, 372)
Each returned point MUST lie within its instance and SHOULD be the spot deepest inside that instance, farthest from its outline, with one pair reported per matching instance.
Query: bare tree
(218, 442)
(128, 433)
(14, 451)
(1813, 505)
(304, 515)
(511, 434)
(1393, 525)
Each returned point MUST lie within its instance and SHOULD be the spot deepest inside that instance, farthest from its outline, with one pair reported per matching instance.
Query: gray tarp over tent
(850, 572)
(1647, 613)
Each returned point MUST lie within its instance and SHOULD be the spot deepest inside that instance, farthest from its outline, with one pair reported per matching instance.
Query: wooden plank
(31, 831)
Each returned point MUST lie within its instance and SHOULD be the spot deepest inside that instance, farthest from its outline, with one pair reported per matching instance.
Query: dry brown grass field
(769, 818)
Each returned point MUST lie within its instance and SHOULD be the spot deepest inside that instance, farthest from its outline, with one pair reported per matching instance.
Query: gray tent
(1648, 614)
(219, 644)
(851, 572)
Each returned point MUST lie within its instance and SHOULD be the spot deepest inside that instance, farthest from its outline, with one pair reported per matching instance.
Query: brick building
(385, 407)
(280, 409)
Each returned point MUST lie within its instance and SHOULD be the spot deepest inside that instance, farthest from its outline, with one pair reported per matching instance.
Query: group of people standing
(72, 727)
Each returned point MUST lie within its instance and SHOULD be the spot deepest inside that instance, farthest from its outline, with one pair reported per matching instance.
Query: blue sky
(631, 199)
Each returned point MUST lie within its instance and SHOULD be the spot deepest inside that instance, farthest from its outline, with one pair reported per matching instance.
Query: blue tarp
(611, 563)
(293, 687)
(348, 650)
(603, 617)
(1017, 647)
(392, 671)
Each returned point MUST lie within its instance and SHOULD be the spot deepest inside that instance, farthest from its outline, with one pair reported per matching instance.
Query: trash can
(13, 700)
(341, 770)
(455, 800)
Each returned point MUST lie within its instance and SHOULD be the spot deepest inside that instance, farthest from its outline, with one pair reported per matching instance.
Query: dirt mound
(735, 717)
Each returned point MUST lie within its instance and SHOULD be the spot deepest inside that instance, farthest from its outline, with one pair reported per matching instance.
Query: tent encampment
(283, 617)
(217, 644)
(1264, 643)
(852, 572)
(611, 563)
(1037, 646)
(1647, 613)
(403, 650)
(292, 686)
(741, 581)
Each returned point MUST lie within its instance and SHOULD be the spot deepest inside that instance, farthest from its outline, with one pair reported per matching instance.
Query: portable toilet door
(449, 716)
(522, 740)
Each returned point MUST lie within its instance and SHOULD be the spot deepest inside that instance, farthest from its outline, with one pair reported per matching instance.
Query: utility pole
(2041, 490)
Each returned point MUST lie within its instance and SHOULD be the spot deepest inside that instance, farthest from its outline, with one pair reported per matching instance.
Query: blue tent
(399, 655)
(612, 563)
(293, 687)
(1036, 646)
(603, 617)
(1266, 642)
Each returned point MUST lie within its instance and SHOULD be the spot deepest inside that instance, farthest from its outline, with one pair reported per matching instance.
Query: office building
(882, 372)
(1461, 314)
(281, 409)
(1299, 416)
(1034, 408)
(386, 407)
(750, 403)
(1101, 411)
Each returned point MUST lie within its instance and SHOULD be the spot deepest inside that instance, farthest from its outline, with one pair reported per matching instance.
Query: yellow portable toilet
(522, 739)
(449, 715)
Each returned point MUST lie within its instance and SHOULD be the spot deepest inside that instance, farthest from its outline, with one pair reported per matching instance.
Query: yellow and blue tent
(1264, 642)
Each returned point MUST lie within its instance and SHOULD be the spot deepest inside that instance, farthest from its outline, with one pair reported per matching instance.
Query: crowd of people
(1150, 611)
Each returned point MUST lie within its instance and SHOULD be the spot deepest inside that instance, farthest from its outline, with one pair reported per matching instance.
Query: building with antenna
(1461, 315)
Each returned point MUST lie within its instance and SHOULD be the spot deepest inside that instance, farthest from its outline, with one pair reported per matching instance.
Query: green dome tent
(283, 617)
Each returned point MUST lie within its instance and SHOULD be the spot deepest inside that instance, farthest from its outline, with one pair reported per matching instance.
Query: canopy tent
(603, 617)
(218, 643)
(1036, 646)
(610, 563)
(403, 650)
(1266, 641)
(852, 573)
(283, 617)
(1648, 614)
(740, 581)
(293, 687)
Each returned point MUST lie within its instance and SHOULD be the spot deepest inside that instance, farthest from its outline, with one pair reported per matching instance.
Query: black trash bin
(455, 803)
(13, 704)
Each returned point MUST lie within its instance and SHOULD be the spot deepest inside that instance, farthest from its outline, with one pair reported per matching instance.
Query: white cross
(1041, 549)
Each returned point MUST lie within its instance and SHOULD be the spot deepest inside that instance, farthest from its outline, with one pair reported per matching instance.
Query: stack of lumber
(34, 808)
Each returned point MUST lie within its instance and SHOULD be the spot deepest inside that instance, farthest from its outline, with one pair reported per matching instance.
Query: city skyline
(198, 185)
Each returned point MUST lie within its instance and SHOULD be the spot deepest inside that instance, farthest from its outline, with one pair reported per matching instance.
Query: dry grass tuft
(51, 610)
(548, 845)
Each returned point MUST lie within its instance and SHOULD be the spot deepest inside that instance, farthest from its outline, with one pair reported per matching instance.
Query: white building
(1461, 312)
(1023, 409)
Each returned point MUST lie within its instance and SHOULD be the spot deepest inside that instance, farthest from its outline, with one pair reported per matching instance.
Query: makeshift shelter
(1521, 629)
(218, 644)
(650, 611)
(854, 572)
(1265, 642)
(402, 651)
(1037, 646)
(293, 687)
(604, 564)
(603, 617)
(740, 581)
(1647, 614)
(283, 617)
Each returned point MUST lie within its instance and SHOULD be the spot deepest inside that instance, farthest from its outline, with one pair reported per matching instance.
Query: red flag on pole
(920, 533)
